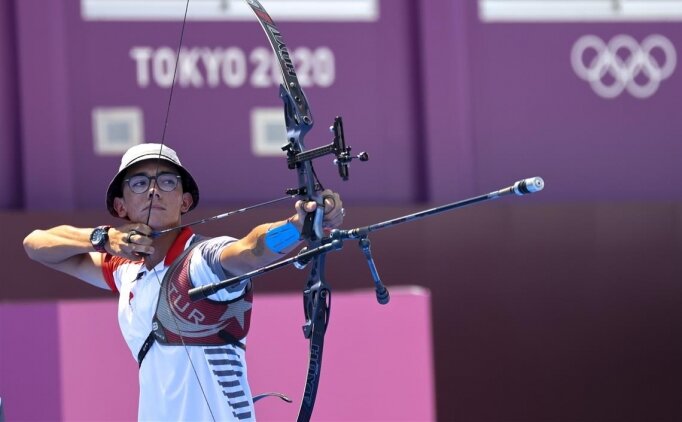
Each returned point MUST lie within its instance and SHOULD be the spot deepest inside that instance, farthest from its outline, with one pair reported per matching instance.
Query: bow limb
(298, 121)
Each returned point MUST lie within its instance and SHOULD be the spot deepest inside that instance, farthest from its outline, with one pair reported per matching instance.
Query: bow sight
(338, 147)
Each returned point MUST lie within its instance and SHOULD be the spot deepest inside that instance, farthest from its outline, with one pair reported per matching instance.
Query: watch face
(97, 236)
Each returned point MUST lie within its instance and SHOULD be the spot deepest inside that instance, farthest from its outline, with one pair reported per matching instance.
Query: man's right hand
(130, 241)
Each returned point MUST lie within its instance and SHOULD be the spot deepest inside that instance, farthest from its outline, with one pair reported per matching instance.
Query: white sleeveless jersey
(169, 390)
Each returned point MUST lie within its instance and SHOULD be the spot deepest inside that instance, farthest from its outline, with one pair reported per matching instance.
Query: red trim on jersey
(178, 245)
(110, 263)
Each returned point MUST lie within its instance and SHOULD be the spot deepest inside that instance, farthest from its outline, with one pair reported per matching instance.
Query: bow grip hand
(312, 225)
(315, 217)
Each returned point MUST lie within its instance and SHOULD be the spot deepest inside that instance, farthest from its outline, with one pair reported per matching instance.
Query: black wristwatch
(99, 237)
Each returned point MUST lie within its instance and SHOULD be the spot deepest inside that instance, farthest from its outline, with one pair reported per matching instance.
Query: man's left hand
(333, 210)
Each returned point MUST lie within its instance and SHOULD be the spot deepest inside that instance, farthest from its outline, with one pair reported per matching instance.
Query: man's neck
(161, 245)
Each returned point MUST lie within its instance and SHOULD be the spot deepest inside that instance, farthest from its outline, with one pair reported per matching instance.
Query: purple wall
(448, 115)
(10, 140)
(447, 106)
(89, 66)
(48, 161)
(504, 103)
(29, 361)
(533, 114)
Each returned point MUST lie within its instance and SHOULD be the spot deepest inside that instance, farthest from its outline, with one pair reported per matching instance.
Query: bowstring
(149, 211)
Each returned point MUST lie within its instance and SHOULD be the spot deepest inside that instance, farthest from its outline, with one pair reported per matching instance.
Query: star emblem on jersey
(237, 311)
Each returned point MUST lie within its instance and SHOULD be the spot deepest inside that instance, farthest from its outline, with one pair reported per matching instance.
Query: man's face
(166, 207)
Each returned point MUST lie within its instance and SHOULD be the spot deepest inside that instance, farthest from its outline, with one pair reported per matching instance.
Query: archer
(191, 355)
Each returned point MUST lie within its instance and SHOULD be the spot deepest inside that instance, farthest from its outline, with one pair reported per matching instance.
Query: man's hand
(130, 241)
(333, 211)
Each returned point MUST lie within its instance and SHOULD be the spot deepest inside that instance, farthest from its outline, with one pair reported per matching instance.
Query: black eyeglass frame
(155, 178)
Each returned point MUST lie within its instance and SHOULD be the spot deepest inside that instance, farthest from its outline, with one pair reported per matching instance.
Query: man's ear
(120, 207)
(187, 202)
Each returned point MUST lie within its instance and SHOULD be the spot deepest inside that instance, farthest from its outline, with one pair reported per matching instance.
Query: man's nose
(152, 188)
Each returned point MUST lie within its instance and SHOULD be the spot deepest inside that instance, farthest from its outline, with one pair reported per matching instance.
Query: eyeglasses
(140, 183)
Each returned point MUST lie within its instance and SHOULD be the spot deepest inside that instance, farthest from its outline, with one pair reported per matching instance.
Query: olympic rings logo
(624, 64)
